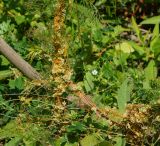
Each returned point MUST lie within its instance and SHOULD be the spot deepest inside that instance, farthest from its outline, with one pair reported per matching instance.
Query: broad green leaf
(12, 84)
(59, 141)
(155, 46)
(5, 74)
(19, 82)
(20, 19)
(124, 47)
(118, 30)
(14, 141)
(152, 20)
(136, 29)
(120, 141)
(146, 84)
(156, 31)
(150, 71)
(137, 48)
(4, 61)
(88, 82)
(90, 140)
(120, 58)
(16, 83)
(123, 95)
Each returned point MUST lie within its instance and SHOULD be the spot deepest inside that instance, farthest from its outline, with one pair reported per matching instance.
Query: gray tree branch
(18, 61)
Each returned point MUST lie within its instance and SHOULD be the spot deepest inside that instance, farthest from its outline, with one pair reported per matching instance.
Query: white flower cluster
(94, 72)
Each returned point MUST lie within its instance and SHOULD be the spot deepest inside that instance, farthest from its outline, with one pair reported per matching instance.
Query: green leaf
(4, 61)
(137, 48)
(14, 141)
(59, 141)
(136, 29)
(152, 20)
(19, 82)
(146, 84)
(90, 140)
(5, 74)
(20, 19)
(155, 46)
(125, 47)
(76, 126)
(120, 141)
(12, 84)
(29, 142)
(10, 130)
(151, 71)
(104, 143)
(71, 144)
(88, 82)
(156, 31)
(123, 95)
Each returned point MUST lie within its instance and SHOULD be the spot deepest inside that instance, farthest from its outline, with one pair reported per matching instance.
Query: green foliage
(123, 95)
(29, 134)
(107, 63)
(152, 20)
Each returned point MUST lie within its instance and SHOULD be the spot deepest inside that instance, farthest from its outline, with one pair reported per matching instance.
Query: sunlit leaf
(14, 141)
(88, 82)
(151, 71)
(137, 48)
(20, 19)
(156, 31)
(136, 29)
(123, 95)
(152, 20)
(90, 140)
(124, 47)
(155, 46)
(5, 74)
(120, 141)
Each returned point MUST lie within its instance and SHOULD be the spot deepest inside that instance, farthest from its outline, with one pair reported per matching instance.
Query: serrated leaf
(123, 95)
(150, 71)
(152, 20)
(146, 84)
(88, 82)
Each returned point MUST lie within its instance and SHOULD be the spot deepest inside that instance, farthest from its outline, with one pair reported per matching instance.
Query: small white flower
(94, 72)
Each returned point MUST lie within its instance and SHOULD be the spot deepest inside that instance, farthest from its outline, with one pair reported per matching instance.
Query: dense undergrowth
(100, 71)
